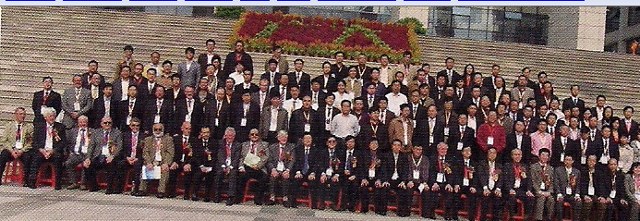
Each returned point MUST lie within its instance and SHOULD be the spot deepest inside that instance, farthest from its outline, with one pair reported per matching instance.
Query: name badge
(128, 119)
(561, 156)
(440, 178)
(543, 186)
(421, 187)
(227, 161)
(489, 140)
(156, 119)
(414, 124)
(307, 127)
(583, 160)
(105, 150)
(19, 145)
(431, 139)
(460, 145)
(612, 195)
(243, 122)
(394, 176)
(158, 156)
(85, 149)
(446, 131)
(216, 122)
(465, 182)
(329, 172)
(516, 185)
(76, 106)
(182, 159)
(416, 174)
(372, 173)
(187, 118)
(280, 166)
(604, 159)
(568, 191)
(591, 191)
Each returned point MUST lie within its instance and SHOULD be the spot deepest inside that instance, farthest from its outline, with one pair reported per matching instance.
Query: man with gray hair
(77, 147)
(253, 159)
(227, 165)
(16, 141)
(105, 149)
(279, 164)
(76, 101)
(157, 154)
(49, 145)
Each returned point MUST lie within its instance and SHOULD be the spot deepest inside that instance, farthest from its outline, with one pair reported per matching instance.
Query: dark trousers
(5, 157)
(231, 178)
(349, 192)
(97, 164)
(294, 189)
(328, 190)
(576, 207)
(471, 207)
(379, 199)
(616, 208)
(512, 203)
(37, 159)
(123, 168)
(173, 179)
(494, 200)
(403, 196)
(434, 202)
(258, 187)
(198, 177)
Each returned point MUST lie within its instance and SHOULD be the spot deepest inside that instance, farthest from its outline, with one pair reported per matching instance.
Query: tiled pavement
(19, 203)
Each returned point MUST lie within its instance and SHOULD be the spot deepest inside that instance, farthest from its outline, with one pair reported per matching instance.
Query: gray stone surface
(20, 203)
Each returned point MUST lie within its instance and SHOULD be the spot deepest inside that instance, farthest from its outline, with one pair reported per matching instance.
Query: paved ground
(19, 203)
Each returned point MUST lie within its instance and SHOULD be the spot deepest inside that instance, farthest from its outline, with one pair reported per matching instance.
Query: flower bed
(322, 37)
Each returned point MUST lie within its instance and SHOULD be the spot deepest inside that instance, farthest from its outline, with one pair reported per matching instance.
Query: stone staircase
(59, 42)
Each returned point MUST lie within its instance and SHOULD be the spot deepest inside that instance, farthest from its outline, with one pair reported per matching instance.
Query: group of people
(343, 136)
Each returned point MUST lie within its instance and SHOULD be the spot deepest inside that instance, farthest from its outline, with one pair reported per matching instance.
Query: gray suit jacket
(536, 174)
(562, 180)
(630, 187)
(262, 150)
(265, 120)
(68, 101)
(190, 76)
(73, 134)
(97, 142)
(515, 94)
(274, 156)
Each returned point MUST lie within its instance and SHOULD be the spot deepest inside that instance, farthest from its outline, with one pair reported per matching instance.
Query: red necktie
(134, 144)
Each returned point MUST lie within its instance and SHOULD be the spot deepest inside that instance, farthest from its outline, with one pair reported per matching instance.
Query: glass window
(613, 19)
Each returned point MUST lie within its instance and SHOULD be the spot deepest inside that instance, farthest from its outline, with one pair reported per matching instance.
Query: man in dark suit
(105, 150)
(432, 133)
(188, 110)
(218, 114)
(364, 71)
(468, 184)
(518, 139)
(328, 83)
(130, 108)
(451, 75)
(628, 126)
(208, 57)
(317, 95)
(517, 183)
(202, 166)
(238, 56)
(104, 106)
(49, 143)
(373, 129)
(272, 73)
(329, 168)
(563, 146)
(304, 120)
(370, 176)
(121, 84)
(184, 144)
(567, 183)
(417, 109)
(246, 117)
(441, 182)
(45, 98)
(349, 183)
(604, 148)
(92, 69)
(246, 85)
(282, 89)
(460, 136)
(300, 78)
(175, 91)
(261, 98)
(339, 70)
(227, 164)
(574, 100)
(132, 144)
(325, 115)
(490, 82)
(305, 169)
(396, 174)
(372, 96)
(147, 88)
(491, 181)
(158, 110)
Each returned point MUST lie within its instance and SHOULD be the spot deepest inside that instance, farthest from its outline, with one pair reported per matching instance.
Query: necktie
(219, 107)
(305, 167)
(298, 78)
(575, 101)
(282, 93)
(106, 137)
(82, 139)
(461, 132)
(228, 150)
(158, 106)
(18, 132)
(382, 117)
(370, 100)
(294, 106)
(134, 144)
(253, 148)
(348, 163)
(460, 93)
(189, 103)
(46, 97)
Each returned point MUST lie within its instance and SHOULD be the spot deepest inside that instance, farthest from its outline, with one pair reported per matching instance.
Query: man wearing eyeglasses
(132, 145)
(279, 164)
(253, 160)
(158, 152)
(104, 151)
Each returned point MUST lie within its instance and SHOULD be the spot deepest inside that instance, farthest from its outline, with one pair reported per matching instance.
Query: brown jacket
(167, 149)
(396, 130)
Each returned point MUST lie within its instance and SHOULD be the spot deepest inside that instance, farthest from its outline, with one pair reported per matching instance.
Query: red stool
(246, 195)
(128, 186)
(13, 172)
(42, 179)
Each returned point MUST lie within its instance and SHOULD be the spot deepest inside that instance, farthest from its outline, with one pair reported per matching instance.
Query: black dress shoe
(160, 195)
(171, 196)
(206, 200)
(140, 193)
(195, 198)
(216, 199)
(185, 197)
(270, 202)
(58, 188)
(229, 202)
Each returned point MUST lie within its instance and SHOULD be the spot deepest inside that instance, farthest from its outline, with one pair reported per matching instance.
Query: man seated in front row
(157, 155)
(104, 151)
(16, 142)
(255, 154)
(279, 165)
(78, 147)
(49, 143)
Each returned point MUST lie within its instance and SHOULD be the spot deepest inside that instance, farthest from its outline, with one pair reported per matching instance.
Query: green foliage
(229, 12)
(370, 34)
(267, 31)
(415, 23)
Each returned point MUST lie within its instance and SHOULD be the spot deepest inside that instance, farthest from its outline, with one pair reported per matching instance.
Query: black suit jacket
(367, 134)
(252, 120)
(86, 79)
(339, 72)
(597, 148)
(368, 161)
(304, 82)
(421, 134)
(202, 155)
(450, 178)
(298, 122)
(402, 167)
(166, 115)
(123, 113)
(126, 145)
(455, 76)
(181, 110)
(298, 163)
(276, 77)
(144, 93)
(323, 161)
(509, 177)
(468, 140)
(223, 115)
(40, 136)
(98, 111)
(365, 73)
(168, 94)
(484, 175)
(203, 61)
(276, 90)
(572, 148)
(230, 63)
(322, 115)
(54, 100)
(622, 131)
(332, 83)
(512, 143)
(568, 104)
